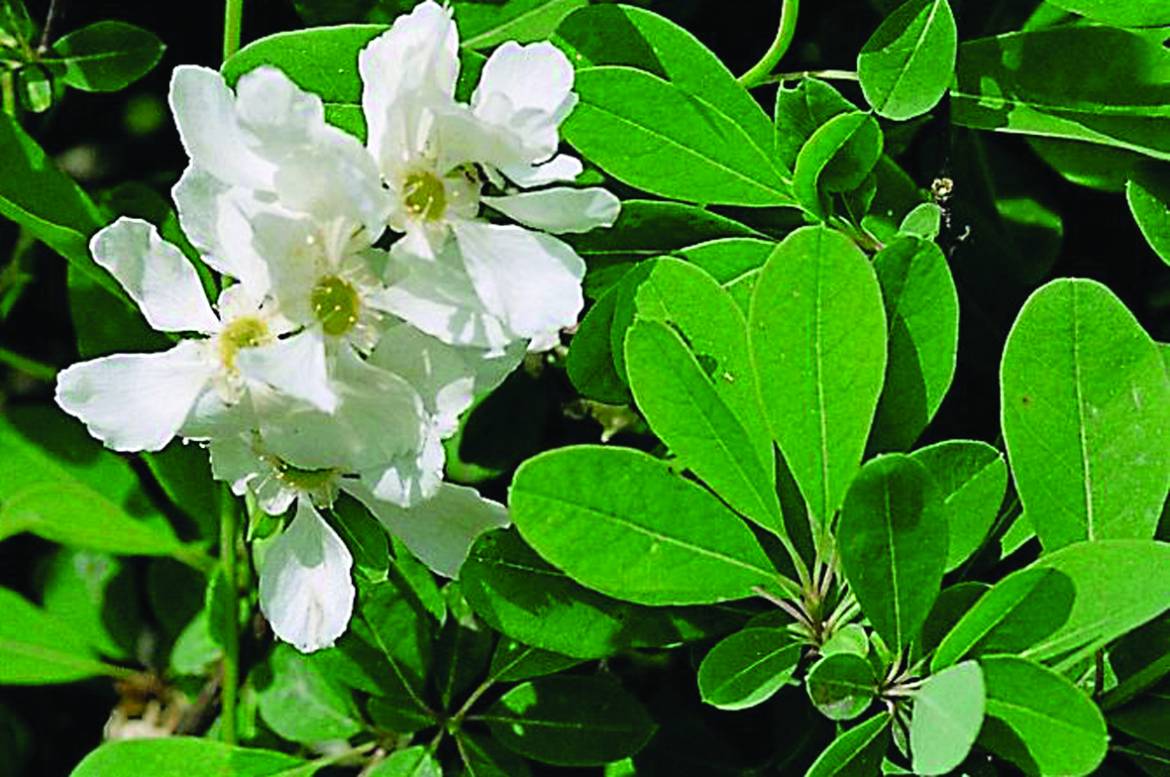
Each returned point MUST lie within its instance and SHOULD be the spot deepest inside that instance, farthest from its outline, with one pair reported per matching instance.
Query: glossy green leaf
(905, 67)
(37, 649)
(652, 135)
(1086, 413)
(105, 56)
(1122, 13)
(748, 668)
(415, 761)
(842, 686)
(892, 540)
(837, 158)
(856, 752)
(590, 364)
(817, 329)
(735, 262)
(561, 615)
(972, 476)
(1148, 194)
(484, 757)
(679, 400)
(570, 720)
(922, 316)
(300, 703)
(923, 222)
(1082, 82)
(800, 111)
(187, 757)
(1139, 660)
(948, 713)
(1039, 720)
(486, 25)
(94, 594)
(513, 661)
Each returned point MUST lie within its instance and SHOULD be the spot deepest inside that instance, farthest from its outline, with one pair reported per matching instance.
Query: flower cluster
(329, 363)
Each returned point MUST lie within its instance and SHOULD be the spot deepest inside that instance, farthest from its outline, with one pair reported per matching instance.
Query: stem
(231, 650)
(30, 367)
(345, 755)
(1098, 673)
(8, 87)
(758, 73)
(47, 30)
(233, 14)
(798, 75)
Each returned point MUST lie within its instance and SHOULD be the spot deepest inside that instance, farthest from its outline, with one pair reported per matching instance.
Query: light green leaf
(37, 649)
(1122, 13)
(842, 686)
(414, 761)
(906, 65)
(564, 617)
(1086, 415)
(923, 222)
(95, 596)
(637, 38)
(105, 56)
(187, 757)
(300, 703)
(735, 262)
(1082, 82)
(857, 752)
(818, 332)
(1039, 720)
(1148, 195)
(620, 522)
(972, 477)
(650, 134)
(748, 668)
(485, 25)
(948, 713)
(570, 720)
(800, 111)
(892, 539)
(837, 158)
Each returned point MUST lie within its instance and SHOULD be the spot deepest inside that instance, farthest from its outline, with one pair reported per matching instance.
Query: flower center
(336, 304)
(310, 481)
(424, 196)
(243, 332)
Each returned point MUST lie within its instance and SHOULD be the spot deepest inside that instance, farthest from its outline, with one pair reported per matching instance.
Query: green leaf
(1139, 659)
(817, 329)
(620, 522)
(1086, 416)
(922, 314)
(800, 111)
(1121, 13)
(61, 485)
(105, 56)
(952, 604)
(1082, 82)
(748, 668)
(570, 720)
(948, 713)
(652, 135)
(680, 402)
(924, 222)
(462, 656)
(590, 364)
(1040, 721)
(37, 649)
(857, 752)
(1146, 717)
(414, 761)
(637, 38)
(485, 25)
(514, 661)
(300, 703)
(484, 757)
(187, 757)
(837, 158)
(562, 616)
(892, 540)
(842, 686)
(905, 67)
(95, 596)
(735, 262)
(1148, 194)
(972, 477)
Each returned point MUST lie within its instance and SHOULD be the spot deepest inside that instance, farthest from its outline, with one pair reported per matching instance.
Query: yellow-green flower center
(243, 332)
(424, 196)
(336, 304)
(310, 481)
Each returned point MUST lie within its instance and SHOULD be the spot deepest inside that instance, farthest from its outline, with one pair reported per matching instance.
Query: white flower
(462, 279)
(135, 402)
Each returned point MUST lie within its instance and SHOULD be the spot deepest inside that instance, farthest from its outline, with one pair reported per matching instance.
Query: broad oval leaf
(416, 761)
(818, 338)
(1086, 415)
(1039, 720)
(800, 111)
(892, 539)
(1148, 195)
(105, 56)
(842, 686)
(37, 649)
(748, 668)
(837, 158)
(620, 522)
(948, 713)
(857, 752)
(650, 134)
(972, 477)
(485, 25)
(906, 65)
(1121, 13)
(570, 720)
(922, 314)
(299, 702)
(187, 757)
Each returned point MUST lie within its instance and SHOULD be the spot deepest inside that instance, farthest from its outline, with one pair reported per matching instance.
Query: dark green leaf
(857, 752)
(590, 364)
(105, 56)
(842, 686)
(514, 661)
(414, 761)
(748, 668)
(484, 757)
(1148, 194)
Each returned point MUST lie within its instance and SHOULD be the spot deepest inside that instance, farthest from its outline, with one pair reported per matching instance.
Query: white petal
(529, 90)
(293, 365)
(216, 219)
(306, 592)
(136, 402)
(441, 530)
(156, 275)
(411, 478)
(205, 112)
(561, 168)
(560, 210)
(530, 280)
